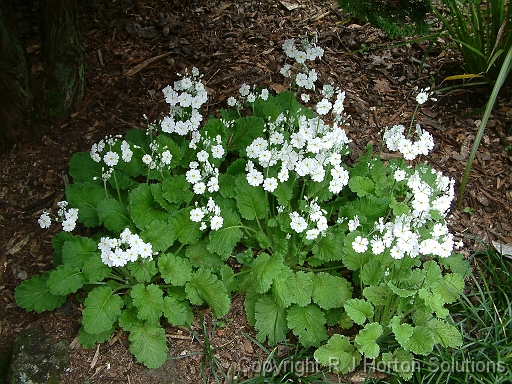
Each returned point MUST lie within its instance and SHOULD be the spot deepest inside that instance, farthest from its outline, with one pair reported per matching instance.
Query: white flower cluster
(185, 99)
(315, 150)
(211, 212)
(397, 141)
(104, 150)
(248, 95)
(406, 234)
(67, 216)
(128, 247)
(424, 95)
(314, 215)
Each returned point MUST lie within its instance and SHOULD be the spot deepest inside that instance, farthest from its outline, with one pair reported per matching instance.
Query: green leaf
(77, 250)
(143, 270)
(160, 234)
(176, 190)
(270, 320)
(265, 269)
(245, 130)
(434, 302)
(329, 247)
(128, 319)
(421, 341)
(402, 332)
(57, 243)
(34, 295)
(85, 197)
(200, 256)
(205, 286)
(402, 292)
(284, 193)
(187, 231)
(400, 361)
(457, 264)
(377, 294)
(338, 354)
(148, 300)
(372, 273)
(89, 340)
(445, 334)
(143, 207)
(351, 259)
(95, 270)
(102, 308)
(366, 340)
(177, 313)
(148, 344)
(361, 185)
(450, 287)
(65, 280)
(308, 323)
(250, 201)
(175, 270)
(359, 310)
(83, 169)
(432, 273)
(289, 287)
(323, 287)
(224, 240)
(156, 191)
(113, 214)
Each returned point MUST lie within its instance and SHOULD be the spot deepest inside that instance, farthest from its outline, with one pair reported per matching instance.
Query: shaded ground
(135, 48)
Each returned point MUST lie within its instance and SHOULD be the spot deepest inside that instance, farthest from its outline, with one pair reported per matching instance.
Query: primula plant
(260, 201)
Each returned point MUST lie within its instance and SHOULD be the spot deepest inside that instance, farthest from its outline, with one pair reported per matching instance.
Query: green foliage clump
(395, 17)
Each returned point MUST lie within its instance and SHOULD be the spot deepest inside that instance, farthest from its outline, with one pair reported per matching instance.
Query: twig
(144, 64)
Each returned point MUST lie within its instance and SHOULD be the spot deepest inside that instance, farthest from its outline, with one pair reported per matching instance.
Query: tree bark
(15, 93)
(63, 57)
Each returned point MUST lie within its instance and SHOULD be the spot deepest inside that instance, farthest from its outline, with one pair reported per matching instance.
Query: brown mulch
(135, 48)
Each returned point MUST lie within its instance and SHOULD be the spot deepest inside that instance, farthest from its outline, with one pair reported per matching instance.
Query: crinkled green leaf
(445, 334)
(89, 340)
(250, 201)
(372, 273)
(245, 130)
(57, 243)
(158, 195)
(366, 340)
(338, 354)
(113, 214)
(324, 285)
(264, 269)
(83, 169)
(160, 234)
(77, 250)
(143, 207)
(34, 295)
(95, 270)
(329, 248)
(65, 280)
(377, 294)
(402, 292)
(361, 185)
(224, 239)
(149, 301)
(186, 230)
(148, 344)
(400, 361)
(102, 308)
(86, 197)
(308, 323)
(200, 256)
(128, 319)
(176, 190)
(457, 264)
(270, 320)
(205, 286)
(402, 331)
(434, 301)
(450, 287)
(359, 310)
(421, 341)
(174, 270)
(432, 273)
(177, 313)
(143, 270)
(289, 288)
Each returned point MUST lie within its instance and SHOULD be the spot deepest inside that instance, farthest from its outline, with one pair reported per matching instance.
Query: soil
(134, 48)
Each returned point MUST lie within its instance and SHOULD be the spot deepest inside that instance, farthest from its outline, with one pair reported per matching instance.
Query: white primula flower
(323, 107)
(217, 151)
(264, 94)
(216, 222)
(199, 188)
(305, 97)
(202, 156)
(360, 244)
(244, 90)
(231, 101)
(193, 176)
(353, 224)
(71, 214)
(251, 98)
(166, 157)
(213, 185)
(377, 246)
(400, 175)
(312, 234)
(196, 215)
(44, 220)
(255, 178)
(147, 159)
(68, 225)
(111, 158)
(270, 184)
(298, 223)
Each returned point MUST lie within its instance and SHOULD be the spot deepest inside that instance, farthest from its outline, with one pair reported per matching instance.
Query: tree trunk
(29, 107)
(63, 57)
(15, 93)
